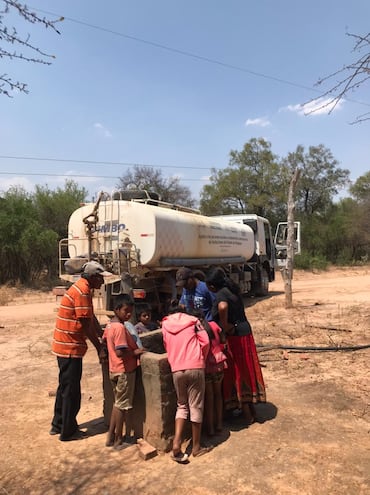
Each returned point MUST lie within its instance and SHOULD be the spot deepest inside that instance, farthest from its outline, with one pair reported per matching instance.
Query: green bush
(307, 261)
(345, 258)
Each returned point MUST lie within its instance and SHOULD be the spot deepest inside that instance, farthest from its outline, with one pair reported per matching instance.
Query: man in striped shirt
(74, 324)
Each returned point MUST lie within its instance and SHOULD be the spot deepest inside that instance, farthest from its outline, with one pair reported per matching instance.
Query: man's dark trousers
(68, 397)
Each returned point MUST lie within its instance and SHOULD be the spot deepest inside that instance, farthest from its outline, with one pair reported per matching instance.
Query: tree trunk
(287, 270)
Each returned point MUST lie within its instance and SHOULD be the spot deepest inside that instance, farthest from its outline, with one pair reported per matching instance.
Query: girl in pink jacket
(187, 345)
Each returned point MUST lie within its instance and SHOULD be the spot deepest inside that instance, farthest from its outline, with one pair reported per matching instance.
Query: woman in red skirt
(243, 384)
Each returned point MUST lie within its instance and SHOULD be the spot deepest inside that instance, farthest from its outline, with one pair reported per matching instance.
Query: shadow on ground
(94, 427)
(264, 412)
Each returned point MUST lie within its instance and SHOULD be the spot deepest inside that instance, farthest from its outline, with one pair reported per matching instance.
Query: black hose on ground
(262, 348)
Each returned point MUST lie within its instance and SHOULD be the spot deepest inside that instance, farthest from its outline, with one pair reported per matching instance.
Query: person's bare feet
(249, 414)
(109, 441)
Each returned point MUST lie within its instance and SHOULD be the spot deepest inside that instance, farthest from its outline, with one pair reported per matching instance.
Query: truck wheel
(261, 287)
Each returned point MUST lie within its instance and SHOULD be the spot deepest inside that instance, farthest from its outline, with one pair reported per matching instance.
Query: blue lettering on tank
(110, 227)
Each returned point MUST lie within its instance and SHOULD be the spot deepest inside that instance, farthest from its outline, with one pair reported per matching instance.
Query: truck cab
(262, 263)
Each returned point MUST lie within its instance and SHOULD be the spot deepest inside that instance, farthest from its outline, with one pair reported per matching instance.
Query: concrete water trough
(153, 414)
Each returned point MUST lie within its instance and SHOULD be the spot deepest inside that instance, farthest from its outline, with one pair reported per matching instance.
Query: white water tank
(159, 233)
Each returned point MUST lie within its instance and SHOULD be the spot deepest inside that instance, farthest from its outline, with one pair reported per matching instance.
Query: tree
(320, 181)
(170, 190)
(31, 226)
(351, 77)
(361, 216)
(361, 188)
(321, 178)
(254, 182)
(55, 207)
(348, 233)
(287, 270)
(18, 46)
(26, 248)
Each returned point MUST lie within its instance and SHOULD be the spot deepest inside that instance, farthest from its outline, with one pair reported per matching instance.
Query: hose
(263, 348)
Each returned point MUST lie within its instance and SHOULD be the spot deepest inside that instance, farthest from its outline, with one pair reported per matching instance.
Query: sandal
(202, 451)
(180, 457)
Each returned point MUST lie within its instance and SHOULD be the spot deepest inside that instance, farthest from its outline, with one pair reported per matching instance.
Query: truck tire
(261, 287)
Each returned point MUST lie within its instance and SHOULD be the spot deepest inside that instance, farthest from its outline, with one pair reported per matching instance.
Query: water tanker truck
(143, 242)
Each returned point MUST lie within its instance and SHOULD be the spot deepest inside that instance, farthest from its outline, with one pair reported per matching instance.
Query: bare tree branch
(5, 82)
(354, 75)
(361, 118)
(11, 37)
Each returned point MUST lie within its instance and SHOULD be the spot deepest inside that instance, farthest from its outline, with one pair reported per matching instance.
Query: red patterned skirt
(243, 380)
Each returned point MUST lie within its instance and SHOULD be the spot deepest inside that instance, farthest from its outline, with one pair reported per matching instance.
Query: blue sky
(177, 85)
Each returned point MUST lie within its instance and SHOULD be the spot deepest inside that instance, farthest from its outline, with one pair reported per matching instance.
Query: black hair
(122, 300)
(198, 313)
(199, 274)
(218, 278)
(207, 328)
(143, 308)
(175, 308)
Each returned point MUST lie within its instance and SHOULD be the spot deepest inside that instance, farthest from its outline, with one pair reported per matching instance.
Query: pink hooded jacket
(185, 341)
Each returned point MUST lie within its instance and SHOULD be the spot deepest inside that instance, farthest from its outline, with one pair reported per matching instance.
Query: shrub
(5, 295)
(306, 261)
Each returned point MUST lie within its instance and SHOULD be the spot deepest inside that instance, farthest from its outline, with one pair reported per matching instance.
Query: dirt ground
(312, 438)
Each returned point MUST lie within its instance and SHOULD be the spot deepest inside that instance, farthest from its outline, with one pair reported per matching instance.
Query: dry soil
(312, 438)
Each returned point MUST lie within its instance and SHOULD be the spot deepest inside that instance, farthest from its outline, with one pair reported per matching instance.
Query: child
(187, 344)
(144, 316)
(215, 365)
(123, 355)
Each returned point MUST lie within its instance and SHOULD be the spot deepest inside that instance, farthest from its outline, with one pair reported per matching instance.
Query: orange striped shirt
(69, 339)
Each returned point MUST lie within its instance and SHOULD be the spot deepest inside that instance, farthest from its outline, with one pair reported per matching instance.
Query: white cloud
(17, 181)
(92, 184)
(319, 106)
(260, 122)
(102, 130)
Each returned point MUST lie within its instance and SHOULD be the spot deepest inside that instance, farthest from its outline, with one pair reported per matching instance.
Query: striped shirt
(76, 304)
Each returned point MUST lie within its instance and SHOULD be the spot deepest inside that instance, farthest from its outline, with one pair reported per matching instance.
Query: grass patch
(6, 295)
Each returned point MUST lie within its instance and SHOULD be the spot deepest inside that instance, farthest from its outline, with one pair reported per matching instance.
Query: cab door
(281, 245)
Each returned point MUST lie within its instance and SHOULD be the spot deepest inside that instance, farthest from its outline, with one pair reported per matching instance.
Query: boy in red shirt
(123, 356)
